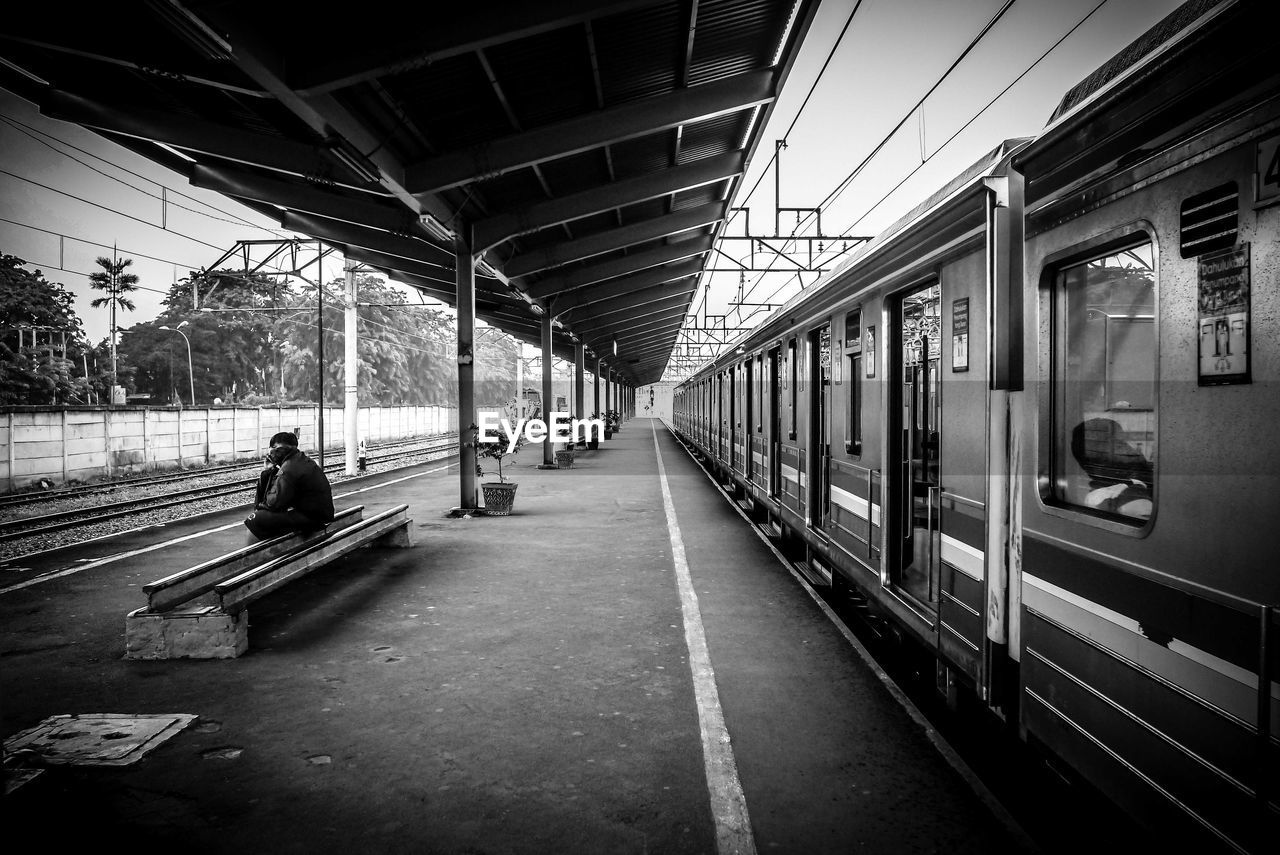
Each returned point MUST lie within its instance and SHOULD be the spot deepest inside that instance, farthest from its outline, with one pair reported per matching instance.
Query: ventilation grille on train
(1210, 220)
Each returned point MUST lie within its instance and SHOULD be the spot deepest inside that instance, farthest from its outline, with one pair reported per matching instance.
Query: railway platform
(539, 683)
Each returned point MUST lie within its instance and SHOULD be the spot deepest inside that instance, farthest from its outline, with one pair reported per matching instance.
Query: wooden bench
(200, 612)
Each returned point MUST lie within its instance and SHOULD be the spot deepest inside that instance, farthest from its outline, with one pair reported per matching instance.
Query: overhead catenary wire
(848, 179)
(31, 132)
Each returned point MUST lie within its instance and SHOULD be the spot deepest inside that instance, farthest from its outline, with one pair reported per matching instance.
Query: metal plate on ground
(100, 739)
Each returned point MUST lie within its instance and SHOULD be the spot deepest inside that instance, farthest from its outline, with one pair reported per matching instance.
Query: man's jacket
(297, 484)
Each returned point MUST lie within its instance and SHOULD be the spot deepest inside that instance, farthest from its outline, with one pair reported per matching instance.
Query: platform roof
(589, 149)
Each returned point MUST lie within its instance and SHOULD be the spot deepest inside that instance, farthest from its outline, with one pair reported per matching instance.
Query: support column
(466, 291)
(350, 415)
(579, 358)
(599, 368)
(608, 390)
(548, 402)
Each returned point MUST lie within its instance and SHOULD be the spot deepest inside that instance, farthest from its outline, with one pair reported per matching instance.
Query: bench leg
(400, 537)
(203, 633)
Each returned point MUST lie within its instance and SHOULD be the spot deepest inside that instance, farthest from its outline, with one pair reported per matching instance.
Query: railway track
(42, 497)
(49, 522)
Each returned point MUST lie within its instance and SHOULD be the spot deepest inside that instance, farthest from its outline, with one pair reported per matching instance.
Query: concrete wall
(84, 443)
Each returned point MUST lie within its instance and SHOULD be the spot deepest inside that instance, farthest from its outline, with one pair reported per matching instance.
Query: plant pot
(498, 498)
(564, 459)
(593, 444)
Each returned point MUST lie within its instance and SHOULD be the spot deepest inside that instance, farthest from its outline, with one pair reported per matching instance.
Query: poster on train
(1223, 317)
(960, 334)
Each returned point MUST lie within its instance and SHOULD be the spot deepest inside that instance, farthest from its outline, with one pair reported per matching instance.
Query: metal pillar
(548, 403)
(599, 367)
(351, 429)
(466, 288)
(319, 357)
(579, 357)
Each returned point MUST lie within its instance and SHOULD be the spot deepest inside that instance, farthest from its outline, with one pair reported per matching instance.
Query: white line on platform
(943, 747)
(89, 565)
(728, 803)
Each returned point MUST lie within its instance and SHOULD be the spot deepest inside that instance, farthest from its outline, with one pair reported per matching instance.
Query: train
(1032, 425)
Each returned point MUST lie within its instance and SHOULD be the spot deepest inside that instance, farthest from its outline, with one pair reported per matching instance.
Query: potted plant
(500, 495)
(613, 423)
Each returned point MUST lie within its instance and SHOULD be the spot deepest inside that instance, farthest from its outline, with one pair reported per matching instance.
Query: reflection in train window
(1104, 382)
(853, 415)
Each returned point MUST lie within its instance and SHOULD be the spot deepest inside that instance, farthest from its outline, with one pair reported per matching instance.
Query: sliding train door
(915, 442)
(774, 436)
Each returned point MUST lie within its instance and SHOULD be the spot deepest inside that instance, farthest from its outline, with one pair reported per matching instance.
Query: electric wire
(848, 179)
(31, 132)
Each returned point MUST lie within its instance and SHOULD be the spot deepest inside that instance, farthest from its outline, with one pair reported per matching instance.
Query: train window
(1210, 220)
(793, 366)
(853, 352)
(1104, 383)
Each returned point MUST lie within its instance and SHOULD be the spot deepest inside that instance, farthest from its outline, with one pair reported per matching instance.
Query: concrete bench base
(222, 631)
(199, 633)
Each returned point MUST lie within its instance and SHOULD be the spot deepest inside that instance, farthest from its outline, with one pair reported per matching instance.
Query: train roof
(1201, 66)
(1137, 50)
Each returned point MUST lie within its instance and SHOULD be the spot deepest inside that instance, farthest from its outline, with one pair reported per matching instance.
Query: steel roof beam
(583, 133)
(625, 285)
(429, 287)
(613, 268)
(607, 197)
(337, 231)
(660, 336)
(366, 212)
(446, 37)
(427, 272)
(325, 116)
(191, 134)
(617, 238)
(635, 299)
(627, 327)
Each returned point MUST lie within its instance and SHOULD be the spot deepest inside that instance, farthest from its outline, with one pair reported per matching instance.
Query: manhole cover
(100, 739)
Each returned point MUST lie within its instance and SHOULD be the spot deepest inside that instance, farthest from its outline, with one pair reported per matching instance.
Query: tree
(41, 339)
(234, 347)
(113, 279)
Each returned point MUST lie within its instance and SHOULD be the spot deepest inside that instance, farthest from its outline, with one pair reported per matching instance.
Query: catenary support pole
(599, 368)
(319, 351)
(466, 293)
(579, 358)
(548, 403)
(351, 429)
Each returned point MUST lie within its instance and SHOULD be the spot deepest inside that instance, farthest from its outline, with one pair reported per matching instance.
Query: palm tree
(112, 279)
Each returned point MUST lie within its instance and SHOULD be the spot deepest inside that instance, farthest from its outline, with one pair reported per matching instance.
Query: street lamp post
(190, 374)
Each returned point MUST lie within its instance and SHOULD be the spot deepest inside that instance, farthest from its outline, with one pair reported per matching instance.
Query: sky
(59, 211)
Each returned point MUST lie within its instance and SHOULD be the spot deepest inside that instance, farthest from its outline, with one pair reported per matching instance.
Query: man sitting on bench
(293, 493)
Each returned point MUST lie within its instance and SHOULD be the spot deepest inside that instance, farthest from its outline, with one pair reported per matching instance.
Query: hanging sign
(1223, 317)
(960, 334)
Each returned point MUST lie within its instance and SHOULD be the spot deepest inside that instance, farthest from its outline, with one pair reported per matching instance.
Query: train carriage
(1031, 424)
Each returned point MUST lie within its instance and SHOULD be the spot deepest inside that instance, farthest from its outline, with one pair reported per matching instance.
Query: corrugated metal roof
(580, 141)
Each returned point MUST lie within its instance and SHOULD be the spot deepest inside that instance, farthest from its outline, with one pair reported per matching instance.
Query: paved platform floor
(511, 684)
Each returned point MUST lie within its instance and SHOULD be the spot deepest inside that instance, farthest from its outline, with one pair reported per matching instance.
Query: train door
(748, 433)
(819, 476)
(775, 423)
(915, 442)
(721, 418)
(735, 415)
